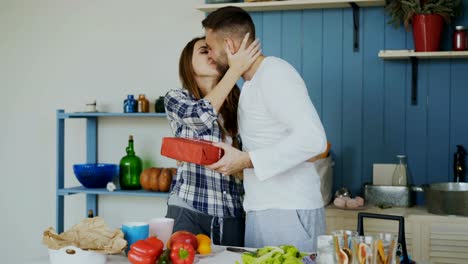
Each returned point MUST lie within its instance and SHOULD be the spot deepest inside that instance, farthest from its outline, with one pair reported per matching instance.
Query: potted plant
(427, 18)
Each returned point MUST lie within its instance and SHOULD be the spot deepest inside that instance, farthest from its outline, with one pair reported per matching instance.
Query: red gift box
(196, 151)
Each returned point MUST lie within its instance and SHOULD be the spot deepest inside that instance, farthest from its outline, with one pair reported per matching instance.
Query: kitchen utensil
(95, 175)
(445, 198)
(389, 196)
(401, 230)
(240, 250)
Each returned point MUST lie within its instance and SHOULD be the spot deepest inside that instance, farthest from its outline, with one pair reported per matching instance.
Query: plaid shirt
(206, 190)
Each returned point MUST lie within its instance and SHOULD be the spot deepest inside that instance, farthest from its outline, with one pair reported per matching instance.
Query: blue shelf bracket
(91, 157)
(414, 81)
(355, 26)
(60, 171)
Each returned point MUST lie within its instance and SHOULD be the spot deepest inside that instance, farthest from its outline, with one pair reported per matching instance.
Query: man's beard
(222, 65)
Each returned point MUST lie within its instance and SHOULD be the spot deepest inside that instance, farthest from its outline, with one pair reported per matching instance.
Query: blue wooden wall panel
(352, 107)
(438, 123)
(312, 38)
(395, 97)
(373, 96)
(332, 85)
(291, 48)
(272, 27)
(364, 101)
(458, 108)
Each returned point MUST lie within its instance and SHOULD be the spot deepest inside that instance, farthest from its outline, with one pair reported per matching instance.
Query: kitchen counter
(225, 256)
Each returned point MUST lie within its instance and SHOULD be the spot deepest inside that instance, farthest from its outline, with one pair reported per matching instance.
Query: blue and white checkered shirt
(206, 190)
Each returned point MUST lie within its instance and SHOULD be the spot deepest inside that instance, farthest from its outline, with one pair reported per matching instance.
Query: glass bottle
(143, 104)
(399, 177)
(130, 169)
(130, 104)
(159, 105)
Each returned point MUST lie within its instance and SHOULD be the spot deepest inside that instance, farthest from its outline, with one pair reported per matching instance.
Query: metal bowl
(446, 198)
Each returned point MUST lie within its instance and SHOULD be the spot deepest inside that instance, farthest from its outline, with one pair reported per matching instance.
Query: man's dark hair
(230, 19)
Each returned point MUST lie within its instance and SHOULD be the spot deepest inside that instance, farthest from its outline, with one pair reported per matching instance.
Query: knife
(240, 250)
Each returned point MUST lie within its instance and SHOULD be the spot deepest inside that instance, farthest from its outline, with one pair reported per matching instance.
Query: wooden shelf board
(104, 191)
(292, 5)
(108, 114)
(406, 54)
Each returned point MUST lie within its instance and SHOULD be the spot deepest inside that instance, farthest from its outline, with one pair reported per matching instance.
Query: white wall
(59, 54)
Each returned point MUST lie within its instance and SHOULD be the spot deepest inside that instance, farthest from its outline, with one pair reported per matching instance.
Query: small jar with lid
(460, 38)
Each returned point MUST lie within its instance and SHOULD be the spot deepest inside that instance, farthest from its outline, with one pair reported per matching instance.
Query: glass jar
(460, 39)
(399, 177)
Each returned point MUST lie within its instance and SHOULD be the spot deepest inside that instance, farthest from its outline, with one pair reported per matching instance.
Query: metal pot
(446, 198)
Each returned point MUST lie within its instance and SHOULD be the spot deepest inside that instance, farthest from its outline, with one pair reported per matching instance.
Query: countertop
(224, 256)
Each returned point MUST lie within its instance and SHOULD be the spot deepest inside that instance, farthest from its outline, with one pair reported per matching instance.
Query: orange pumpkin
(149, 179)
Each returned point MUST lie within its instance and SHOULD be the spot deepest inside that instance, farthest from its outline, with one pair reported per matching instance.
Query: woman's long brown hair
(228, 110)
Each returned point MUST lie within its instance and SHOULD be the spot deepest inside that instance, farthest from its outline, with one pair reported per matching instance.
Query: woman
(203, 200)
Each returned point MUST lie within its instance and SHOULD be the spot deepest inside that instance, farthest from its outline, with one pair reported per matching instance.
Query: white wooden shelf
(293, 5)
(407, 54)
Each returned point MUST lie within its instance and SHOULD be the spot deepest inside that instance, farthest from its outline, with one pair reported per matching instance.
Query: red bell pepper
(145, 251)
(182, 253)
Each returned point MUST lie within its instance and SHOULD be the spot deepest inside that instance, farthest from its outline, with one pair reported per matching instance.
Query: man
(280, 131)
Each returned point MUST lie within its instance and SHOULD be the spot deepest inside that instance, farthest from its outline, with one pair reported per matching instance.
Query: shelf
(292, 5)
(104, 191)
(414, 57)
(64, 115)
(407, 54)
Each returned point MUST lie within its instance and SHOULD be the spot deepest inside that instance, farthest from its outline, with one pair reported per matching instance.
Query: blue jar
(130, 104)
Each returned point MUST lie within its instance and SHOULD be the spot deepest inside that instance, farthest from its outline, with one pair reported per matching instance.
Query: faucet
(459, 164)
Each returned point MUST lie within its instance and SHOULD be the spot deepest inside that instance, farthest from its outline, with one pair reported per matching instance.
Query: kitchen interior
(394, 112)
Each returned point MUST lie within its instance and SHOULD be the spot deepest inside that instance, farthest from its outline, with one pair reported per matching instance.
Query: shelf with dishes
(292, 5)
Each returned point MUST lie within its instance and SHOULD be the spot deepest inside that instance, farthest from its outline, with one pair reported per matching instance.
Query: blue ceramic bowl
(95, 175)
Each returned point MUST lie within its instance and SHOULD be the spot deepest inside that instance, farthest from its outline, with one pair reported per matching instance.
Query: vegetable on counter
(145, 251)
(275, 255)
(182, 253)
(165, 257)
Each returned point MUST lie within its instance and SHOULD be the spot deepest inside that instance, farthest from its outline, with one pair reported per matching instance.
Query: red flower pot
(427, 30)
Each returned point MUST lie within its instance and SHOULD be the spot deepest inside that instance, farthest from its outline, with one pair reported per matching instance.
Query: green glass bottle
(130, 169)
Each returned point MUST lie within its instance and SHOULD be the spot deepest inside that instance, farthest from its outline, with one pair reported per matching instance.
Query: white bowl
(74, 255)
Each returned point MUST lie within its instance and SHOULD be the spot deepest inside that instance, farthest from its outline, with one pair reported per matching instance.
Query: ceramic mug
(134, 231)
(162, 228)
